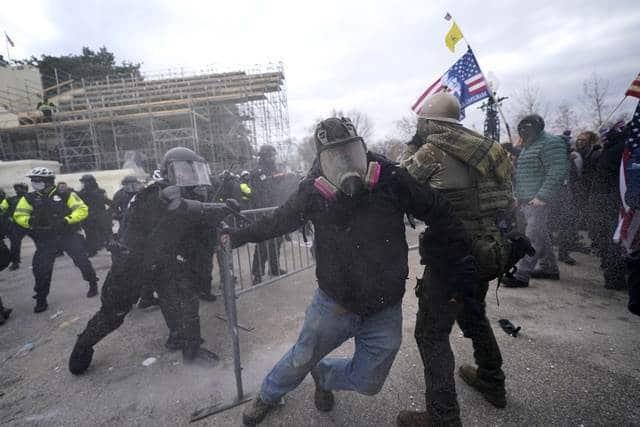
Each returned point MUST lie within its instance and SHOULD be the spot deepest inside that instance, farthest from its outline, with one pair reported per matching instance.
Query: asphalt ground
(575, 362)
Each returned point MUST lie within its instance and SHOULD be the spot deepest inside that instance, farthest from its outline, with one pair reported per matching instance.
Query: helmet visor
(342, 161)
(188, 174)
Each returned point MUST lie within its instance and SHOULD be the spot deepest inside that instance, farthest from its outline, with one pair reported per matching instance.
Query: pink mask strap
(373, 175)
(326, 189)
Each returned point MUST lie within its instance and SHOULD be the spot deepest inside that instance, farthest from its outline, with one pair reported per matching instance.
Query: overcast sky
(373, 56)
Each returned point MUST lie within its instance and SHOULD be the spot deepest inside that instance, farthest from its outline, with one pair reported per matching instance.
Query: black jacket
(98, 202)
(361, 247)
(162, 238)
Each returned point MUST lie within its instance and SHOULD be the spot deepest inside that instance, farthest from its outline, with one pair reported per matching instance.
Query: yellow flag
(453, 36)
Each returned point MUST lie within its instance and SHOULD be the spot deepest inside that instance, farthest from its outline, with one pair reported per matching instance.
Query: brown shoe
(413, 419)
(492, 393)
(257, 411)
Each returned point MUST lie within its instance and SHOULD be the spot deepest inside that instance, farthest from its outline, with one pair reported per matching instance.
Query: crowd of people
(492, 212)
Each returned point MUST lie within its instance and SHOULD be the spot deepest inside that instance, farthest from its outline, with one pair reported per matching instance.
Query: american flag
(634, 89)
(628, 231)
(464, 79)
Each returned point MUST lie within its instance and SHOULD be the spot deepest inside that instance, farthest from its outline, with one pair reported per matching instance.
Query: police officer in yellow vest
(245, 189)
(474, 174)
(52, 219)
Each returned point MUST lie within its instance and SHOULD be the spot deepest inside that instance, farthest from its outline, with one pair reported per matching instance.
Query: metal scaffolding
(99, 124)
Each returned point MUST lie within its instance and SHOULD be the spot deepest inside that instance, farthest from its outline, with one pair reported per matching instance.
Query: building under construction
(102, 124)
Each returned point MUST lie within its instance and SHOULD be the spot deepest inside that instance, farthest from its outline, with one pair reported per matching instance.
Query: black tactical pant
(204, 270)
(16, 234)
(267, 251)
(121, 289)
(610, 253)
(47, 249)
(439, 308)
(97, 234)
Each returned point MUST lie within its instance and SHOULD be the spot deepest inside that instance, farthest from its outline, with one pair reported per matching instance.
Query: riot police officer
(157, 239)
(53, 220)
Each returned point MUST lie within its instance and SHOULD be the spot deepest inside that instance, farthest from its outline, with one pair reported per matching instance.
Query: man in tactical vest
(474, 174)
(98, 227)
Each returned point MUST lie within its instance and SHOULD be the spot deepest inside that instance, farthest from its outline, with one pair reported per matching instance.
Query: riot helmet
(267, 156)
(342, 154)
(130, 184)
(182, 167)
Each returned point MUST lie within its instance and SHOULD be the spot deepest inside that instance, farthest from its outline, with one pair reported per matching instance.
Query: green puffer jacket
(541, 168)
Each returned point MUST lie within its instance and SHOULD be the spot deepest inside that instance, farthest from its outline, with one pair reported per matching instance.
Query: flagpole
(504, 119)
(614, 110)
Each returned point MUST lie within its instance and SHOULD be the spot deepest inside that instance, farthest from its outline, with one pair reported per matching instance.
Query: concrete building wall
(20, 87)
(12, 172)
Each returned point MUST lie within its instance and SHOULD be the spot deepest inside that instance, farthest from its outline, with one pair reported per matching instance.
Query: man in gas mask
(356, 201)
(157, 238)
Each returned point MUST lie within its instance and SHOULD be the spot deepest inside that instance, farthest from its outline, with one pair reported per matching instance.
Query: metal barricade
(293, 253)
(289, 254)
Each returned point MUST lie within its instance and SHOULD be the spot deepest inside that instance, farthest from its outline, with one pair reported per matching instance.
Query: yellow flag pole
(448, 17)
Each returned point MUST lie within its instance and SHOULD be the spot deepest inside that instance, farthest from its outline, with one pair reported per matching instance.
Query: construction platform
(101, 124)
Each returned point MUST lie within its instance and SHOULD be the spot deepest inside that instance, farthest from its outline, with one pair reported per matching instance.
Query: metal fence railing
(259, 264)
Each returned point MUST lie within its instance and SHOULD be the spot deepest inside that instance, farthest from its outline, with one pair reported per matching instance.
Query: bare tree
(406, 127)
(595, 96)
(390, 147)
(564, 118)
(529, 100)
(362, 122)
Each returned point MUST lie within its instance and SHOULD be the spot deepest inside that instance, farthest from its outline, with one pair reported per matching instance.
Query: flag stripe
(474, 79)
(426, 93)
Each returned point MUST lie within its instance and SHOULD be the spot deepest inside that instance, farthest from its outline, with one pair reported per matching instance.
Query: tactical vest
(47, 209)
(476, 180)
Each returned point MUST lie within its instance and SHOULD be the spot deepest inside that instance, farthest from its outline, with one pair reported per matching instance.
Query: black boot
(492, 392)
(4, 313)
(323, 399)
(80, 359)
(14, 266)
(207, 296)
(93, 289)
(41, 305)
(173, 342)
(196, 355)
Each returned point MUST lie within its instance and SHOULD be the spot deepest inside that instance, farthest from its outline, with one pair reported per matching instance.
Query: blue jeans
(326, 327)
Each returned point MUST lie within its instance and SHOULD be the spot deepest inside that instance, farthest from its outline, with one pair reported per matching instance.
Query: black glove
(417, 140)
(509, 327)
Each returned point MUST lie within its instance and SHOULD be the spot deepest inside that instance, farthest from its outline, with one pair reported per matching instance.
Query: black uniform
(97, 227)
(605, 206)
(361, 248)
(264, 194)
(154, 242)
(15, 233)
(120, 202)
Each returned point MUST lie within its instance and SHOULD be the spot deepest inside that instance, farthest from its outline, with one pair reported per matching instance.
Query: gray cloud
(373, 56)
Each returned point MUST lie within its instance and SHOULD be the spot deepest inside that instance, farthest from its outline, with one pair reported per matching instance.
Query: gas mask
(342, 155)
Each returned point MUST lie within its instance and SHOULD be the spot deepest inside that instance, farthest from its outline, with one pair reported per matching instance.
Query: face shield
(345, 165)
(188, 173)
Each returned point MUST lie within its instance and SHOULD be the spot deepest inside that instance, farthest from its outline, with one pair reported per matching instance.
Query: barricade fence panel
(259, 264)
